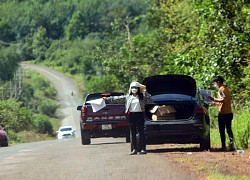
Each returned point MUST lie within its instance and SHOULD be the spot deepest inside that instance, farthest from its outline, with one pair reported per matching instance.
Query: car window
(66, 129)
(100, 95)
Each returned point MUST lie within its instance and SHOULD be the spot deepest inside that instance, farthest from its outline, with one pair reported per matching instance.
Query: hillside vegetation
(112, 42)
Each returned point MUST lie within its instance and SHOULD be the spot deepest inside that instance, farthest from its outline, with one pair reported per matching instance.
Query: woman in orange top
(225, 116)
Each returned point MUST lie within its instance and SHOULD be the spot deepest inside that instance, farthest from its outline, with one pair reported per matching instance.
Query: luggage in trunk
(167, 112)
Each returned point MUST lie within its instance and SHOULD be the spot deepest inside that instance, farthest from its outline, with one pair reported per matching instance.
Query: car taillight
(84, 111)
(200, 110)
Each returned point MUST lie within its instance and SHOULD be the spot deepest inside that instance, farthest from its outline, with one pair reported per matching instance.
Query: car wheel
(205, 145)
(4, 144)
(86, 141)
(85, 137)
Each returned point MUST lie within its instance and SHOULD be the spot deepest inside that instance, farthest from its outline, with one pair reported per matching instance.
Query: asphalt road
(105, 158)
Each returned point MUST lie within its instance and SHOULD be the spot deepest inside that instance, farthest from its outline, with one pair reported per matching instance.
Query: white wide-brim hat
(136, 84)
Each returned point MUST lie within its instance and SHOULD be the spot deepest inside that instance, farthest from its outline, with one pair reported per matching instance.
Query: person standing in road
(135, 103)
(225, 115)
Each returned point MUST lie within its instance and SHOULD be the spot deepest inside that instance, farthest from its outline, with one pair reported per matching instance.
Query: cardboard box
(163, 112)
(171, 116)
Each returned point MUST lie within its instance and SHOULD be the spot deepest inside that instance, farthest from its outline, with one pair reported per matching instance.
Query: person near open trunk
(225, 116)
(135, 103)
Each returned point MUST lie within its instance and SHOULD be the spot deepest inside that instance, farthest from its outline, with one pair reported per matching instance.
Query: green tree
(6, 34)
(132, 57)
(14, 116)
(76, 27)
(9, 62)
(224, 39)
(40, 44)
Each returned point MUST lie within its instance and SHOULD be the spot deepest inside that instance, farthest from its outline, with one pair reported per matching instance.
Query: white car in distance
(66, 132)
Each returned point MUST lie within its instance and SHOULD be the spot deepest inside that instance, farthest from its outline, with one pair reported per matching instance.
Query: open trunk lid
(170, 84)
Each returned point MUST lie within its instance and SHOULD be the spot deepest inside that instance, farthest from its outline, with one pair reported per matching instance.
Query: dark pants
(136, 124)
(225, 122)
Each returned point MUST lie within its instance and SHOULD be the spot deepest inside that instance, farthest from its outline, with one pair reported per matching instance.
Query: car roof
(65, 127)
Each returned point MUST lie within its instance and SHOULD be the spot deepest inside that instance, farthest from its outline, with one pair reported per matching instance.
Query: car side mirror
(79, 108)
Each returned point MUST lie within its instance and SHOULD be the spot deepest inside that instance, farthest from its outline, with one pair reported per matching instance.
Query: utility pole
(15, 87)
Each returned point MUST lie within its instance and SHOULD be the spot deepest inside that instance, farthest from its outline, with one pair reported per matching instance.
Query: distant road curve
(67, 94)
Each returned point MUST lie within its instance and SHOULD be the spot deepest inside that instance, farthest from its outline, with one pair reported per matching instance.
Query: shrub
(43, 125)
(14, 116)
(47, 107)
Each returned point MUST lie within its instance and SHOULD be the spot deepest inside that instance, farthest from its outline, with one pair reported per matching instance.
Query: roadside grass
(28, 136)
(240, 127)
(215, 138)
(32, 136)
(56, 123)
(80, 84)
(215, 174)
(218, 176)
(200, 168)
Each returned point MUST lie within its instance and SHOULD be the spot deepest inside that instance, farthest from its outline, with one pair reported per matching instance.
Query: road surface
(105, 158)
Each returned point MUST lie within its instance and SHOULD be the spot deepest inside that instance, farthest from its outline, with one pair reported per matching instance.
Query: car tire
(205, 145)
(85, 137)
(5, 144)
(86, 141)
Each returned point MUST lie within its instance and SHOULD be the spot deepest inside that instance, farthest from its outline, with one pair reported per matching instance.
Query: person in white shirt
(135, 103)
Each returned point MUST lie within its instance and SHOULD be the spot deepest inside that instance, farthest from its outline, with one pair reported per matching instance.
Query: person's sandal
(222, 149)
(143, 152)
(133, 152)
(231, 148)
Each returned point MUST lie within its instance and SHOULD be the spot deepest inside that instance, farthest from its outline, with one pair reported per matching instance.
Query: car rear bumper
(65, 137)
(117, 132)
(106, 129)
(175, 133)
(96, 126)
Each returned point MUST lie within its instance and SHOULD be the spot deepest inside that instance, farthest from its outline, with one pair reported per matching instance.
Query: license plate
(106, 126)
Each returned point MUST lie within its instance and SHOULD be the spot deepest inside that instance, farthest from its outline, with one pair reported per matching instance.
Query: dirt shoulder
(208, 163)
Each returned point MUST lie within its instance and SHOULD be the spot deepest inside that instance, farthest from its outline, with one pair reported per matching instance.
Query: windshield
(66, 129)
(100, 95)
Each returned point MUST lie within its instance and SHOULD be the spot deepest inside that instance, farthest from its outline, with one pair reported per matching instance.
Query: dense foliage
(127, 40)
(30, 113)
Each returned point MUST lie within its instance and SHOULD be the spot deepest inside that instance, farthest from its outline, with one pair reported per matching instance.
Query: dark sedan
(178, 115)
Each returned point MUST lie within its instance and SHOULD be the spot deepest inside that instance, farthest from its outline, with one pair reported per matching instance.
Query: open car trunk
(174, 97)
(170, 111)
